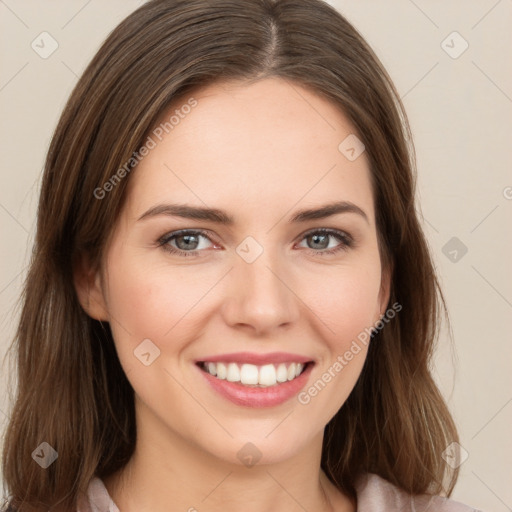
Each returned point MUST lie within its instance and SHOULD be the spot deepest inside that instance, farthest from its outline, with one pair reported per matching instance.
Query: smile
(253, 375)
(256, 380)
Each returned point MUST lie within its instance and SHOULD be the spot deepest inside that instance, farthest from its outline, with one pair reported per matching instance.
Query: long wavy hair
(71, 391)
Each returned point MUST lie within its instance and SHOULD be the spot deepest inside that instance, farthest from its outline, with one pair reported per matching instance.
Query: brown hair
(72, 391)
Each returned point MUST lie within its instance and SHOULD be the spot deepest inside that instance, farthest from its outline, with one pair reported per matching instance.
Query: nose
(261, 296)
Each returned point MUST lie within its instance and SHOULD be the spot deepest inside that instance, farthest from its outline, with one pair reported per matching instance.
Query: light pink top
(374, 494)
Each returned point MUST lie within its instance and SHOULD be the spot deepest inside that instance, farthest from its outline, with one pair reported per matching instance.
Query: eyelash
(346, 240)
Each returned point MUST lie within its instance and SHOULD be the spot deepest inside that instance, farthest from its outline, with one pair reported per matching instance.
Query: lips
(257, 359)
(256, 380)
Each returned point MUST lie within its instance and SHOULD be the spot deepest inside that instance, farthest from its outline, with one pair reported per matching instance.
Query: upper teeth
(250, 374)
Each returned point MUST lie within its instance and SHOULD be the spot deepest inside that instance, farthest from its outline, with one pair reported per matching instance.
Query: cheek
(150, 300)
(346, 307)
(346, 301)
(172, 305)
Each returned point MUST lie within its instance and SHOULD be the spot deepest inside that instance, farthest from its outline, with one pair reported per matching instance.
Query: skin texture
(261, 153)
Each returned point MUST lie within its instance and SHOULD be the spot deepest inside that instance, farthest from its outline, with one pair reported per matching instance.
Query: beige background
(460, 111)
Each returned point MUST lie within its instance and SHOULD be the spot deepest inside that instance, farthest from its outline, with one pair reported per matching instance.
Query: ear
(89, 289)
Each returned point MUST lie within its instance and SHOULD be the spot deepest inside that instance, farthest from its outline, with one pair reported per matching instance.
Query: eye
(319, 239)
(187, 242)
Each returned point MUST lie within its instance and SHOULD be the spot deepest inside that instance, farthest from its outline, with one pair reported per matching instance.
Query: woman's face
(251, 296)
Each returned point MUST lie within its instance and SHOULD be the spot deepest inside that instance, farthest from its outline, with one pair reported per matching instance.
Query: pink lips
(257, 359)
(246, 396)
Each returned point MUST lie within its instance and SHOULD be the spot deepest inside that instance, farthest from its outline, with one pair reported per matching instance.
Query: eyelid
(187, 231)
(346, 240)
(328, 231)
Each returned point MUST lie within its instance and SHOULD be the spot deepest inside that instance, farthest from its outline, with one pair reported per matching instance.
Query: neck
(169, 472)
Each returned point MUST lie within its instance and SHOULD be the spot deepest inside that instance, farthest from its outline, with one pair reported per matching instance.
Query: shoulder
(375, 494)
(97, 498)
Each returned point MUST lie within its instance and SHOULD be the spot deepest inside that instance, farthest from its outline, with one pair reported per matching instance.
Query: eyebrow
(221, 217)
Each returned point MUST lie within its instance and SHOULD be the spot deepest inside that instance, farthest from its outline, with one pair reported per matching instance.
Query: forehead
(272, 142)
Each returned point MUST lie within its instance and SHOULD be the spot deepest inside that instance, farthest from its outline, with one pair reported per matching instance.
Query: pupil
(316, 237)
(187, 239)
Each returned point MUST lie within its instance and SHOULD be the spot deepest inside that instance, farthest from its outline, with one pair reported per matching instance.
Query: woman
(184, 342)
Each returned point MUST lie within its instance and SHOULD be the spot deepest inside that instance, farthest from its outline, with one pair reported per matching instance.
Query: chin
(258, 447)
